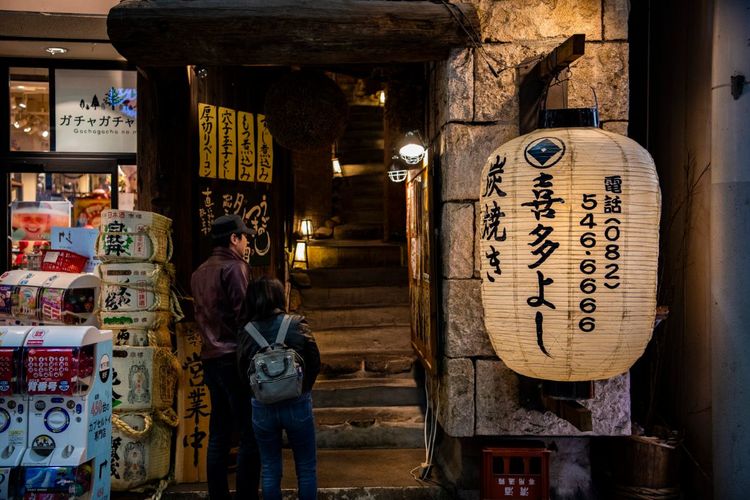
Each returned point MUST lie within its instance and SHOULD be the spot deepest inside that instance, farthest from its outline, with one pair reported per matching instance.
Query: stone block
(496, 99)
(570, 468)
(510, 20)
(464, 320)
(464, 149)
(456, 415)
(618, 127)
(616, 14)
(498, 410)
(610, 408)
(454, 88)
(457, 240)
(604, 68)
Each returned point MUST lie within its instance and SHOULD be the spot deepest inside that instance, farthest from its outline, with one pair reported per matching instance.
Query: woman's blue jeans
(296, 417)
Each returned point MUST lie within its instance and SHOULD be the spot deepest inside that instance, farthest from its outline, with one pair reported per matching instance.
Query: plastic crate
(63, 261)
(515, 473)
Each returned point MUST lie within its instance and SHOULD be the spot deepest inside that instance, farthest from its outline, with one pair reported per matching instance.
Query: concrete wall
(471, 114)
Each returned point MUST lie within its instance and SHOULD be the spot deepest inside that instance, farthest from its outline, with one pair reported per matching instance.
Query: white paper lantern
(569, 232)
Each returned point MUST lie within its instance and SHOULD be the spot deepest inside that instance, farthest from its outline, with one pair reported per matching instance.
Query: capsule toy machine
(47, 297)
(13, 407)
(68, 378)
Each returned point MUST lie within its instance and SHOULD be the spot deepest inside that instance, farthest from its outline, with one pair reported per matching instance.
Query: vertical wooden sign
(227, 143)
(207, 140)
(265, 151)
(193, 408)
(246, 146)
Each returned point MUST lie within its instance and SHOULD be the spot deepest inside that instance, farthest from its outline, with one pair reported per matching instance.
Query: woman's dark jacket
(299, 337)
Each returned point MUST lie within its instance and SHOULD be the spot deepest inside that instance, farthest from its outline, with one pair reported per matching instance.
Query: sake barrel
(141, 337)
(149, 320)
(144, 378)
(128, 236)
(141, 449)
(569, 244)
(134, 286)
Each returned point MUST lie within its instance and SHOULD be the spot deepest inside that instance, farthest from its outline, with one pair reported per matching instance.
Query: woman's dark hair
(264, 296)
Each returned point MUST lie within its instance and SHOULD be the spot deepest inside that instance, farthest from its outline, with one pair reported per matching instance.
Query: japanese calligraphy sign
(193, 408)
(234, 145)
(95, 111)
(568, 250)
(218, 198)
(207, 140)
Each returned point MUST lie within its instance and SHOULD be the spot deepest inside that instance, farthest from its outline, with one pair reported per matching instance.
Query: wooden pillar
(164, 182)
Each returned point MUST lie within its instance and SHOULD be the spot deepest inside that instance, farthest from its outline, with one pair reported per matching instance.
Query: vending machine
(68, 379)
(13, 407)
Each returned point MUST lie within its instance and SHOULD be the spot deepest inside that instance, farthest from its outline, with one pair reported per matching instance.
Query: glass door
(42, 193)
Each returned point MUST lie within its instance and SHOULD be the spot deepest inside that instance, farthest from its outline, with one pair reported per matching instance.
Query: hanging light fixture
(396, 170)
(412, 148)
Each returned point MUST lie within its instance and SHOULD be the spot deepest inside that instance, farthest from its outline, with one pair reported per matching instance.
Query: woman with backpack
(295, 356)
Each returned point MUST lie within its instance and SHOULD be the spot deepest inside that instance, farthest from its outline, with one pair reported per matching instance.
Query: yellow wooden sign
(207, 140)
(227, 143)
(246, 146)
(193, 408)
(265, 151)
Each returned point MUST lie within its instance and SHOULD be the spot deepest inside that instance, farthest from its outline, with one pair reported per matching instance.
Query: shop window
(29, 109)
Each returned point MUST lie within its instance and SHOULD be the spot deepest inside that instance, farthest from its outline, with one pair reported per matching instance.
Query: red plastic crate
(515, 473)
(63, 261)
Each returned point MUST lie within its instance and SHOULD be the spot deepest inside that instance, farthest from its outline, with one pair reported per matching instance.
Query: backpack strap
(283, 329)
(255, 334)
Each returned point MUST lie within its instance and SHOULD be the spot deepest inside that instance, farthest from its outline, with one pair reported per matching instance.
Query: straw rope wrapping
(569, 236)
(140, 456)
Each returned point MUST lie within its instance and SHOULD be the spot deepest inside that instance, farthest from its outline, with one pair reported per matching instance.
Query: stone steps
(343, 474)
(366, 351)
(325, 319)
(330, 298)
(365, 215)
(358, 231)
(356, 169)
(353, 253)
(366, 392)
(369, 427)
(358, 276)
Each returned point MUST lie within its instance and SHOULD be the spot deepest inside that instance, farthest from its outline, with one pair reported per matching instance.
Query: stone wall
(471, 113)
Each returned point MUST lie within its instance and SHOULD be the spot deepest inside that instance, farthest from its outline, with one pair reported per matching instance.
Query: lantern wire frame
(412, 148)
(397, 171)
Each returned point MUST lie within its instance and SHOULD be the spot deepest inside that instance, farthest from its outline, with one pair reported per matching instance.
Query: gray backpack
(278, 368)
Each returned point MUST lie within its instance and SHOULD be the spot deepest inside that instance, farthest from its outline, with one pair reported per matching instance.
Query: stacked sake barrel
(137, 304)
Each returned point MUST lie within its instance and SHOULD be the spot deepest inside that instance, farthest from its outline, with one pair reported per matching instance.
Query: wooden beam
(284, 32)
(533, 85)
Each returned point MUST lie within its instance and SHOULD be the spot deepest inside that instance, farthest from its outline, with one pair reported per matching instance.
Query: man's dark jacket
(298, 337)
(219, 286)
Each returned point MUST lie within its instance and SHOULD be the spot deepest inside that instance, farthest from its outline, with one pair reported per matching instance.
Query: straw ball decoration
(306, 111)
(569, 233)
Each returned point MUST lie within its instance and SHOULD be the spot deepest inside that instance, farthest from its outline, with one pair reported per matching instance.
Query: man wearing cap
(219, 286)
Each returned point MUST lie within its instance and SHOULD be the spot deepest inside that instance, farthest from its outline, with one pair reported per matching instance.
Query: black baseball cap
(229, 224)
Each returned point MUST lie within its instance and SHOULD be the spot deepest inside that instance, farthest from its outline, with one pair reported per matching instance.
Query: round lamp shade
(569, 240)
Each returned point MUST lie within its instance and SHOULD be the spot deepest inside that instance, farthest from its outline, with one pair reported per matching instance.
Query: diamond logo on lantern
(545, 152)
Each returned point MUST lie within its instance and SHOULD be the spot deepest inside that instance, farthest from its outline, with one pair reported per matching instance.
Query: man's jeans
(230, 409)
(296, 417)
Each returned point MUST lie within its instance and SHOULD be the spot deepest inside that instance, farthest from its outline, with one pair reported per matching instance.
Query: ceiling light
(22, 105)
(381, 97)
(20, 87)
(45, 134)
(56, 50)
(336, 167)
(27, 129)
(16, 124)
(412, 148)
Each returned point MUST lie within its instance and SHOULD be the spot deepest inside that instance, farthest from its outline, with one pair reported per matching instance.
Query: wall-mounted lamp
(335, 164)
(306, 228)
(299, 260)
(397, 170)
(412, 148)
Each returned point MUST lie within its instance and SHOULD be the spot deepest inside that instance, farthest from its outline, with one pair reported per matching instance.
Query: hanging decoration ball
(306, 111)
(569, 241)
